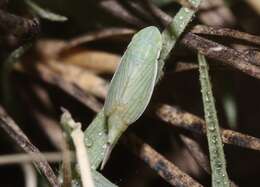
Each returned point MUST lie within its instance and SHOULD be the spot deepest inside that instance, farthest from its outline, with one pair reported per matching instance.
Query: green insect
(132, 85)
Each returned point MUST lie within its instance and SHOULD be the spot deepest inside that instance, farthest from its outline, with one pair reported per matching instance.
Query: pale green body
(133, 82)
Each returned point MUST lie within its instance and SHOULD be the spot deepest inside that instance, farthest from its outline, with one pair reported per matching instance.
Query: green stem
(96, 140)
(172, 33)
(216, 152)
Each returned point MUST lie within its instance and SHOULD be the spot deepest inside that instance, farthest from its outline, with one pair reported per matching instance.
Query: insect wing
(133, 83)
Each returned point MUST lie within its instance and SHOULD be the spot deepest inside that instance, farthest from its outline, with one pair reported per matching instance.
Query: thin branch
(117, 10)
(163, 18)
(167, 170)
(97, 35)
(13, 130)
(229, 56)
(136, 8)
(178, 118)
(47, 75)
(84, 79)
(226, 32)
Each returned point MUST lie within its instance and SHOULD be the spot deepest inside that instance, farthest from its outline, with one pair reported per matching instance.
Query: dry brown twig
(167, 170)
(53, 49)
(136, 9)
(50, 52)
(225, 32)
(84, 79)
(117, 10)
(236, 59)
(157, 13)
(97, 35)
(13, 130)
(178, 118)
(93, 61)
(47, 75)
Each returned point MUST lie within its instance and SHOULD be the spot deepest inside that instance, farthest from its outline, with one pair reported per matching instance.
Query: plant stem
(171, 34)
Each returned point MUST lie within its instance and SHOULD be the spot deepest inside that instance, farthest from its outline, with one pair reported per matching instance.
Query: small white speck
(186, 10)
(216, 48)
(100, 134)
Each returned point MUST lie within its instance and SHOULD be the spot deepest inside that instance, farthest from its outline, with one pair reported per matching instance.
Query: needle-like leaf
(216, 152)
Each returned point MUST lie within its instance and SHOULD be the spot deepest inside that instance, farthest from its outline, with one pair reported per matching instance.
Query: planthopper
(132, 85)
